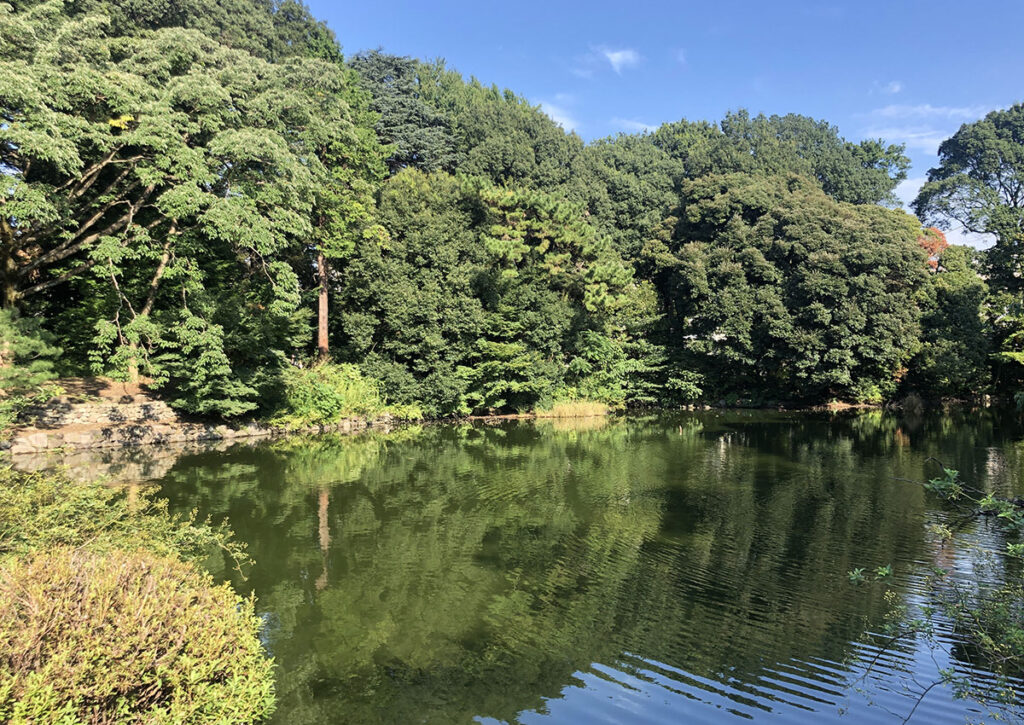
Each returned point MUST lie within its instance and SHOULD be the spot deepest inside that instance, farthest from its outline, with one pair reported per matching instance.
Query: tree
(979, 183)
(159, 175)
(501, 136)
(775, 291)
(478, 297)
(863, 173)
(933, 241)
(630, 185)
(419, 135)
(955, 336)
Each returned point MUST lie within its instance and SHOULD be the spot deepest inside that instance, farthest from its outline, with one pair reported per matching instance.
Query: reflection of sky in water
(684, 568)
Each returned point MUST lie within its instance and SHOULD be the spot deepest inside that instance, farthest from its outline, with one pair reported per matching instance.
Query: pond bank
(67, 422)
(117, 415)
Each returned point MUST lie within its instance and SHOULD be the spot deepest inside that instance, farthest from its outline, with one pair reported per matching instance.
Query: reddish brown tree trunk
(321, 329)
(323, 508)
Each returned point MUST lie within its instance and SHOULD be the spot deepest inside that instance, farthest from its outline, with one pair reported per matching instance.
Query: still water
(679, 568)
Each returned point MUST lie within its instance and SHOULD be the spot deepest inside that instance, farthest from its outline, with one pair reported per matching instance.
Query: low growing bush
(40, 511)
(105, 616)
(573, 409)
(126, 637)
(328, 392)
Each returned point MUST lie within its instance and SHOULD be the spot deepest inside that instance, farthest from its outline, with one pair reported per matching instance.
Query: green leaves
(197, 370)
(779, 292)
(980, 184)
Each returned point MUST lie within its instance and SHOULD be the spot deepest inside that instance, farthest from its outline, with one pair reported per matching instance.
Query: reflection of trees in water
(463, 571)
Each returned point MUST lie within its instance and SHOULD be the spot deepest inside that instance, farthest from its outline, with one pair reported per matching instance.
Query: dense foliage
(128, 638)
(777, 290)
(206, 193)
(105, 615)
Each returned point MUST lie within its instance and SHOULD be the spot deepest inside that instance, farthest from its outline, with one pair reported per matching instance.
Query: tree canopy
(205, 193)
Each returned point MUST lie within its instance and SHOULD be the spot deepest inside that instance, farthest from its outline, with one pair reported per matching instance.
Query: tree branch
(64, 250)
(57, 280)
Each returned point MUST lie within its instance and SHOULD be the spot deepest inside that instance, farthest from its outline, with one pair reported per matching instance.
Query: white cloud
(921, 138)
(633, 126)
(927, 110)
(587, 65)
(892, 87)
(922, 127)
(907, 190)
(680, 56)
(559, 115)
(620, 59)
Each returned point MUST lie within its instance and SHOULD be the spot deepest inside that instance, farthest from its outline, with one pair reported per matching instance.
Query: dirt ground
(101, 387)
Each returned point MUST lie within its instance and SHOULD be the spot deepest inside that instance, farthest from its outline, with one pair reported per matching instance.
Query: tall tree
(418, 134)
(775, 290)
(955, 335)
(861, 173)
(166, 181)
(979, 183)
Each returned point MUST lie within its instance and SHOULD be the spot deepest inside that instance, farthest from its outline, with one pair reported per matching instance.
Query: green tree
(979, 183)
(777, 291)
(862, 173)
(418, 134)
(630, 186)
(479, 296)
(955, 338)
(159, 175)
(500, 135)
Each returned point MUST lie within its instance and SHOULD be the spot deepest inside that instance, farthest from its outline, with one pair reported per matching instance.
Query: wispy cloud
(890, 89)
(587, 65)
(927, 110)
(680, 56)
(620, 59)
(633, 126)
(560, 115)
(920, 137)
(922, 127)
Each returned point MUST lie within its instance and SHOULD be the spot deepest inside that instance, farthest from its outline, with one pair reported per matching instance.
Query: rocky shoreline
(138, 420)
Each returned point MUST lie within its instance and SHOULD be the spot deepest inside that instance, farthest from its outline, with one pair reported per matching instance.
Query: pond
(689, 567)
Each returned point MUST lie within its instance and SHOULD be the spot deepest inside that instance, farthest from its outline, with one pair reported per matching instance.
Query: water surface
(679, 568)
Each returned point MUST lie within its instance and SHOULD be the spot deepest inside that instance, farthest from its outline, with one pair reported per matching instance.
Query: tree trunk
(323, 507)
(321, 330)
(9, 267)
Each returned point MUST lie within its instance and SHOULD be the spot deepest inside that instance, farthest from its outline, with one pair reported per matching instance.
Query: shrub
(126, 637)
(328, 392)
(40, 511)
(26, 366)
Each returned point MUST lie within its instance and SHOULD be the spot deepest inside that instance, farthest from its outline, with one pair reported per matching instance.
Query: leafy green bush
(127, 637)
(410, 411)
(26, 366)
(328, 392)
(132, 637)
(41, 511)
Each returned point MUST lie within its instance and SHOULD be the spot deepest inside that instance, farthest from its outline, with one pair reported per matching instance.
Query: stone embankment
(130, 420)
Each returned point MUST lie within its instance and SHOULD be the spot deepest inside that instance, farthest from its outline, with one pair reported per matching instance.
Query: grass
(574, 409)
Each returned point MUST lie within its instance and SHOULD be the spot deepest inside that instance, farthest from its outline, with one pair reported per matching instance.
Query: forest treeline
(209, 195)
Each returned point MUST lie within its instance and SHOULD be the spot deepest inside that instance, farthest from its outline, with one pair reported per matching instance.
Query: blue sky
(910, 71)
